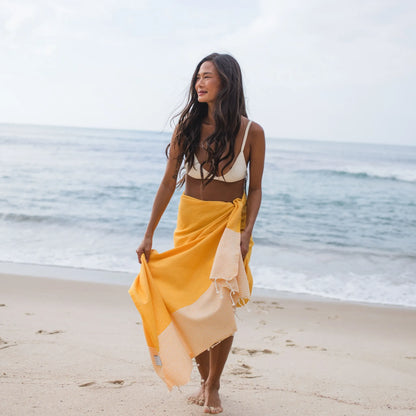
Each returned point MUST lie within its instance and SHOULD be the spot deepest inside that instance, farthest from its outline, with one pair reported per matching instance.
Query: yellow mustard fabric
(186, 296)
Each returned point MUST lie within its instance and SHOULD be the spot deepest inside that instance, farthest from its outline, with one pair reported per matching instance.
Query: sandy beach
(77, 348)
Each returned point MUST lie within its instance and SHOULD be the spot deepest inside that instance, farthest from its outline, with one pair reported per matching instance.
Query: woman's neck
(209, 118)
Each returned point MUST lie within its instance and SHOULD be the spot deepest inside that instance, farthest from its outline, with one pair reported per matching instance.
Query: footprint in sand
(43, 332)
(243, 370)
(7, 346)
(290, 343)
(116, 382)
(2, 304)
(315, 348)
(4, 344)
(264, 309)
(90, 383)
(251, 351)
(265, 306)
(110, 383)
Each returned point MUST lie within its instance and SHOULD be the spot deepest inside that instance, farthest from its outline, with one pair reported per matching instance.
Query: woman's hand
(145, 247)
(244, 242)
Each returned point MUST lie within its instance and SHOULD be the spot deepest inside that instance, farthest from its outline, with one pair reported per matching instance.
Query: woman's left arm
(257, 144)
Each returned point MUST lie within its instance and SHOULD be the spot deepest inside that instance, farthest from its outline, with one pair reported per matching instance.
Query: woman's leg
(217, 357)
(202, 361)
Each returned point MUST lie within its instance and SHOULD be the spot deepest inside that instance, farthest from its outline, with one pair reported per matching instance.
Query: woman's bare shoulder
(255, 127)
(256, 132)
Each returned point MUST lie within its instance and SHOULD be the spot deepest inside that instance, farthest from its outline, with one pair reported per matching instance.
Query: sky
(337, 70)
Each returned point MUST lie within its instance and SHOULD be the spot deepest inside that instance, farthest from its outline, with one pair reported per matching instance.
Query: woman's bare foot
(212, 403)
(198, 397)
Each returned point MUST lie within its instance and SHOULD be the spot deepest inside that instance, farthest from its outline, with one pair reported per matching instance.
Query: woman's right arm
(162, 198)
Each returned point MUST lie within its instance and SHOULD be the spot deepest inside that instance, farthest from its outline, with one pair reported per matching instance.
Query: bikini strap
(245, 136)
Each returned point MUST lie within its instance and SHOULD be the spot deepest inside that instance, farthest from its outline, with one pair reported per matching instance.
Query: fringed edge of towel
(228, 270)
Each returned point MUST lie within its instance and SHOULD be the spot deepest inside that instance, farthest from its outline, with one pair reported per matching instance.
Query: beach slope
(77, 348)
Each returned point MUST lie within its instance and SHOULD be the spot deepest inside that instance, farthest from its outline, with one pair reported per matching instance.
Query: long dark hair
(229, 107)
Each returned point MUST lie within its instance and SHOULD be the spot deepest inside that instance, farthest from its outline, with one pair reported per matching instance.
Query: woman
(187, 295)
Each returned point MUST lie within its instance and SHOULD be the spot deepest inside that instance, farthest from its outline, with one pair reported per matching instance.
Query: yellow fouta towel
(186, 296)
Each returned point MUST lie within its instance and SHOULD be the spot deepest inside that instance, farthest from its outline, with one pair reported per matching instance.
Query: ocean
(337, 219)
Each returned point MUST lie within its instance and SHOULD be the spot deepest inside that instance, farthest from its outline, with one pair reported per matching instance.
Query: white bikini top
(237, 172)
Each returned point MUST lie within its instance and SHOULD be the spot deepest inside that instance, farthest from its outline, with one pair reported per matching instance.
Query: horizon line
(170, 132)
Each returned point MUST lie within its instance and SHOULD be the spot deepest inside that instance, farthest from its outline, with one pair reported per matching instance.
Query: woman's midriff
(215, 190)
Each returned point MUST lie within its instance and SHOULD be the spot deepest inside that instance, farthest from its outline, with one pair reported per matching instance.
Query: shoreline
(76, 347)
(124, 279)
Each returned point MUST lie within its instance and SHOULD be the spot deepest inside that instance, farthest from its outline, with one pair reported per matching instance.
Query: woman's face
(208, 83)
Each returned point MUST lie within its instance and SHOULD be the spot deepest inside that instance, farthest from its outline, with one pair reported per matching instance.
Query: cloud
(13, 19)
(25, 22)
(301, 43)
(125, 62)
